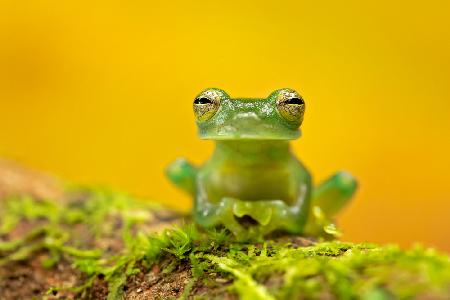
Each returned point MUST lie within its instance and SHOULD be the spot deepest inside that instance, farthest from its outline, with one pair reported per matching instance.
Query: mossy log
(64, 242)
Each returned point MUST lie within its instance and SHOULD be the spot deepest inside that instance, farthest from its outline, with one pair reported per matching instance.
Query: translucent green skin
(253, 184)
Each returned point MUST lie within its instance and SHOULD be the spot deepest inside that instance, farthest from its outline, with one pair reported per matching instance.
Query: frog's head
(277, 117)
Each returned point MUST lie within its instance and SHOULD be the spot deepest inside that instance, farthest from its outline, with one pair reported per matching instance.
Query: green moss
(275, 269)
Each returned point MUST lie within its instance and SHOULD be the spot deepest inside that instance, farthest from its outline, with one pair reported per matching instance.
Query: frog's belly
(251, 184)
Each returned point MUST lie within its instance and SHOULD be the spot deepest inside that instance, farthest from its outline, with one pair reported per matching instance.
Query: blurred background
(101, 92)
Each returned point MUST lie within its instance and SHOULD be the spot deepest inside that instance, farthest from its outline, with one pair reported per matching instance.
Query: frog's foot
(334, 193)
(269, 215)
(182, 174)
(249, 220)
(254, 219)
(210, 215)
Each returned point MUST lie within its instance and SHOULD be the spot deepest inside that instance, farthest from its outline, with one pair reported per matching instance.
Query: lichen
(80, 232)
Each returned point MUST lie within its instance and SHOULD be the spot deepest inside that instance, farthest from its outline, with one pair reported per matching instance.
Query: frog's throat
(252, 151)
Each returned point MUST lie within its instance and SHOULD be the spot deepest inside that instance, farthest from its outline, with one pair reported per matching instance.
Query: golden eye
(206, 104)
(291, 106)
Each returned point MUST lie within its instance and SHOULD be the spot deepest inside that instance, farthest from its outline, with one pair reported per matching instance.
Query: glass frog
(253, 184)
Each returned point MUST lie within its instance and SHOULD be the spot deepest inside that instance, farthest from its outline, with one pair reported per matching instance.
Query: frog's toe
(254, 219)
(252, 213)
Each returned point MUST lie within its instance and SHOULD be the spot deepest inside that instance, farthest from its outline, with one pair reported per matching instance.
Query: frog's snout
(246, 116)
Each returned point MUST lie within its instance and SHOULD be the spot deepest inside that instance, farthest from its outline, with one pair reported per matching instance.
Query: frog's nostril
(246, 221)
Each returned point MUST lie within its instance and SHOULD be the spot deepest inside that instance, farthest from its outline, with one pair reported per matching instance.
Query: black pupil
(297, 101)
(202, 100)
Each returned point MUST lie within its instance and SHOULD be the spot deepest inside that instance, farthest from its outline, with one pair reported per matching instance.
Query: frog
(253, 184)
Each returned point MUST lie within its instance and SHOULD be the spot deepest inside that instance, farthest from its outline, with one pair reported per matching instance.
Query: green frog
(253, 184)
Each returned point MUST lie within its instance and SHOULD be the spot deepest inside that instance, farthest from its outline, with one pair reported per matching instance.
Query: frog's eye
(291, 106)
(207, 103)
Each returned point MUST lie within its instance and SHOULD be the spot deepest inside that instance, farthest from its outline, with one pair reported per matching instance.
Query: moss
(80, 230)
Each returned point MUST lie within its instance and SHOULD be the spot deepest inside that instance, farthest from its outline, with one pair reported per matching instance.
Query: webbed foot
(250, 219)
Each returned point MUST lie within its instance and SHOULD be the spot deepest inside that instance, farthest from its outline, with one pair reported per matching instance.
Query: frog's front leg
(334, 193)
(182, 174)
(327, 200)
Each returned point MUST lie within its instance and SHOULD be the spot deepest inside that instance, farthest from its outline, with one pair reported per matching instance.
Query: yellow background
(101, 92)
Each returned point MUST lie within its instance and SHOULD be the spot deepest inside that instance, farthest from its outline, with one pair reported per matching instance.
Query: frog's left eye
(207, 103)
(290, 105)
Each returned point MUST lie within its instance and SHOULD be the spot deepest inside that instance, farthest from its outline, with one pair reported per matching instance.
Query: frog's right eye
(207, 104)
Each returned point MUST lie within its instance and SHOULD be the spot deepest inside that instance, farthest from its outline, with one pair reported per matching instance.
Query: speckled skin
(253, 184)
